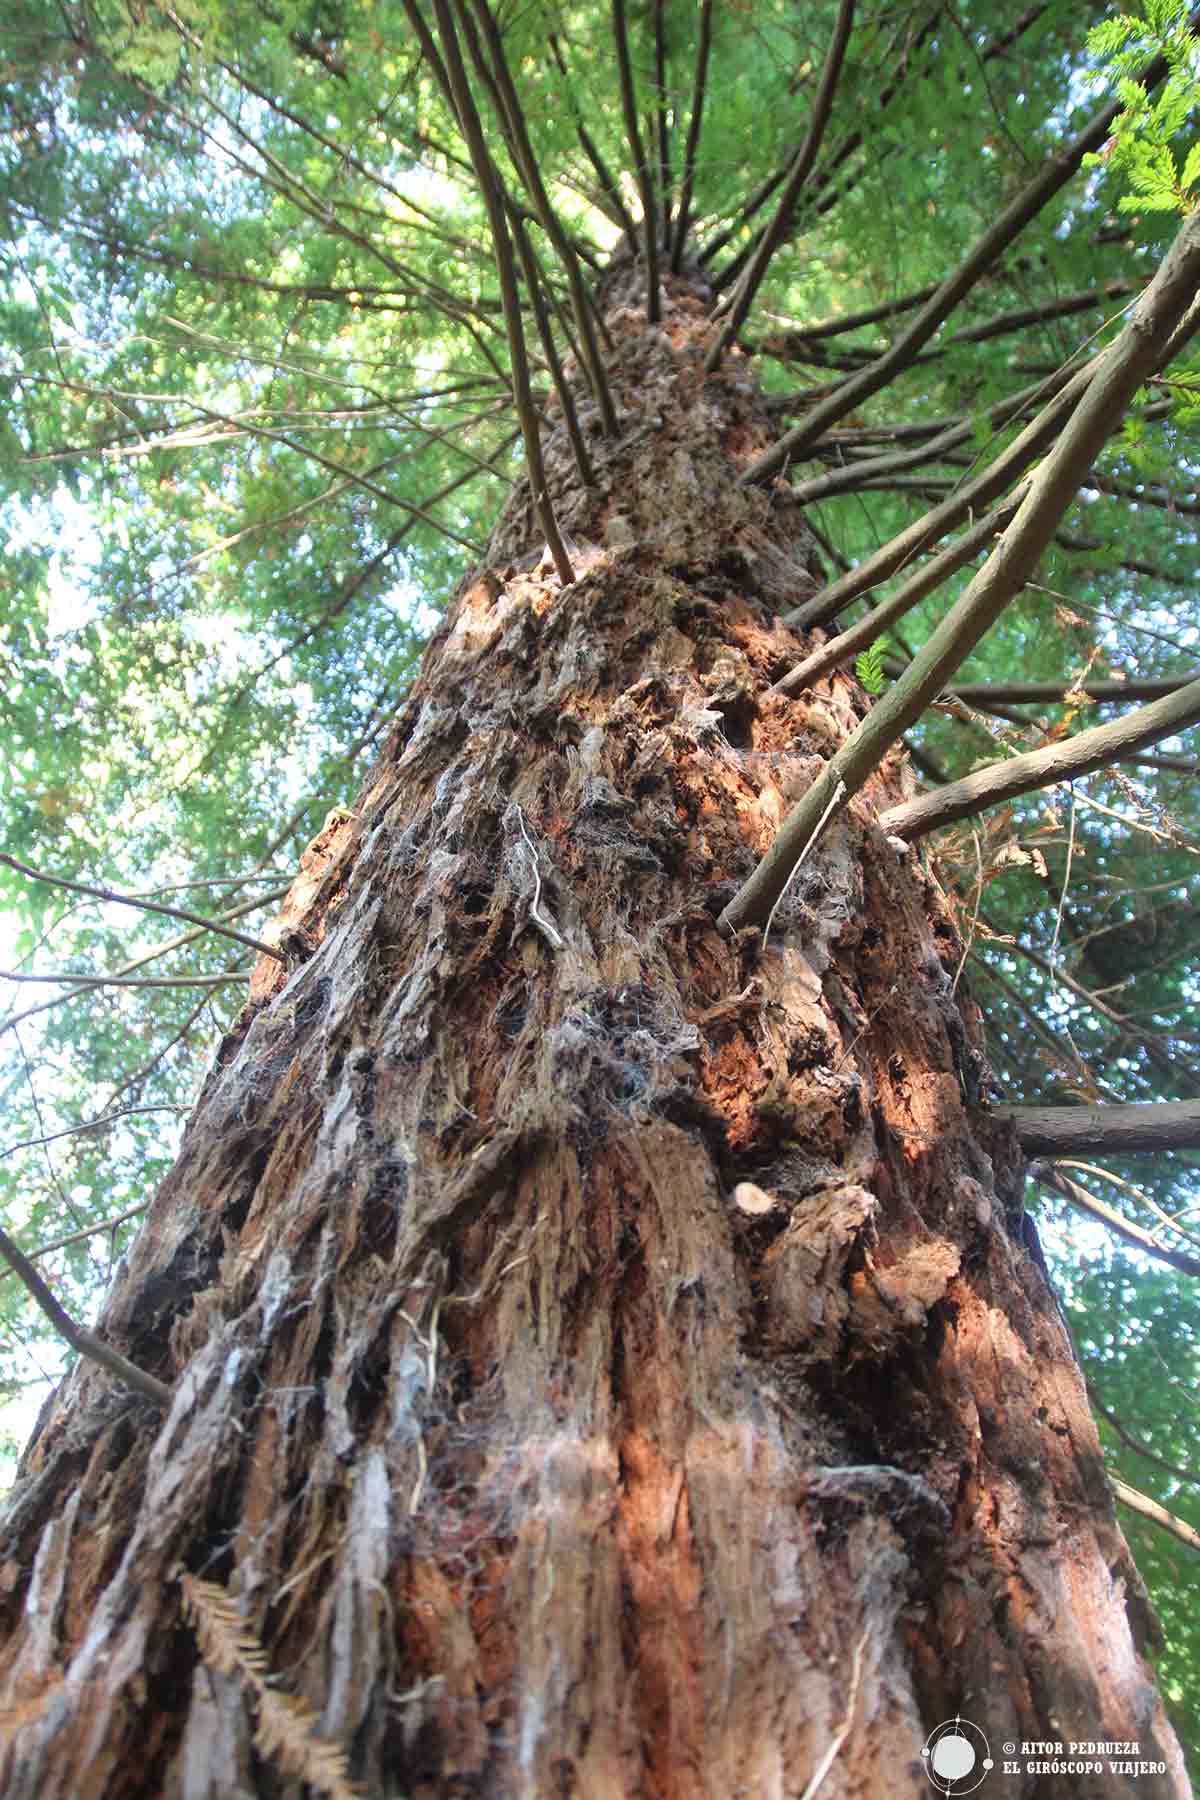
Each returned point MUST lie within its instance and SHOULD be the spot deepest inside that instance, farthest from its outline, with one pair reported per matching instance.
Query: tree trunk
(606, 1358)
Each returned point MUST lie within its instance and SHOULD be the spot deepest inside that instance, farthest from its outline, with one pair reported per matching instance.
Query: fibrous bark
(515, 1448)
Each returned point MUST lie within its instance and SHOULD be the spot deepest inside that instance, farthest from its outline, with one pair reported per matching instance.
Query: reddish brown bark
(510, 1450)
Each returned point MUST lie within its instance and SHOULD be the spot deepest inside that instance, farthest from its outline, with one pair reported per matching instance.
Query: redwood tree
(591, 1340)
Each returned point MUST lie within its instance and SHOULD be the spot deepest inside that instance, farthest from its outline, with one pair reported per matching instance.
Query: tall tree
(591, 1339)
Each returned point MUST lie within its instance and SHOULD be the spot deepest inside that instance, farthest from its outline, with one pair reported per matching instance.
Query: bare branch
(1061, 308)
(1115, 1129)
(1053, 176)
(1135, 1444)
(699, 84)
(863, 633)
(763, 193)
(562, 387)
(1066, 1057)
(640, 164)
(87, 1231)
(1063, 761)
(348, 475)
(89, 1128)
(1052, 692)
(1046, 1175)
(1131, 565)
(85, 1342)
(1158, 1515)
(859, 474)
(511, 112)
(1155, 1050)
(799, 344)
(925, 532)
(610, 190)
(80, 979)
(776, 231)
(1145, 496)
(242, 424)
(150, 906)
(1150, 336)
(660, 108)
(357, 580)
(472, 129)
(869, 315)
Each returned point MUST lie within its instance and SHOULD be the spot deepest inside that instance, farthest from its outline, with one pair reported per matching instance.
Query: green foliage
(869, 667)
(1140, 148)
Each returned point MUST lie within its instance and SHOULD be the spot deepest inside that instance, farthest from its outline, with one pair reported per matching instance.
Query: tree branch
(88, 1129)
(848, 477)
(1054, 692)
(511, 112)
(562, 386)
(1158, 1515)
(1064, 761)
(87, 1231)
(609, 186)
(683, 216)
(1037, 194)
(1046, 1175)
(641, 166)
(79, 979)
(1068, 1061)
(863, 633)
(1115, 1130)
(85, 1342)
(925, 532)
(485, 173)
(869, 315)
(762, 194)
(1061, 308)
(1151, 334)
(150, 906)
(1155, 1049)
(660, 109)
(776, 231)
(1134, 1443)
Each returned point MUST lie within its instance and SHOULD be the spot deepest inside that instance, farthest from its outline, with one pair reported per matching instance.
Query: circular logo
(956, 1755)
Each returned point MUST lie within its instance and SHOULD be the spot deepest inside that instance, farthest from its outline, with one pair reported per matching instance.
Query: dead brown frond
(286, 1725)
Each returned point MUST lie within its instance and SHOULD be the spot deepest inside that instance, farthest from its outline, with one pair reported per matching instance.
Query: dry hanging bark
(517, 1447)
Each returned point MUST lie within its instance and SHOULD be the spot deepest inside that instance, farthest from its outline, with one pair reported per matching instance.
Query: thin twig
(86, 1231)
(1135, 1444)
(150, 906)
(89, 1125)
(1143, 1199)
(81, 979)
